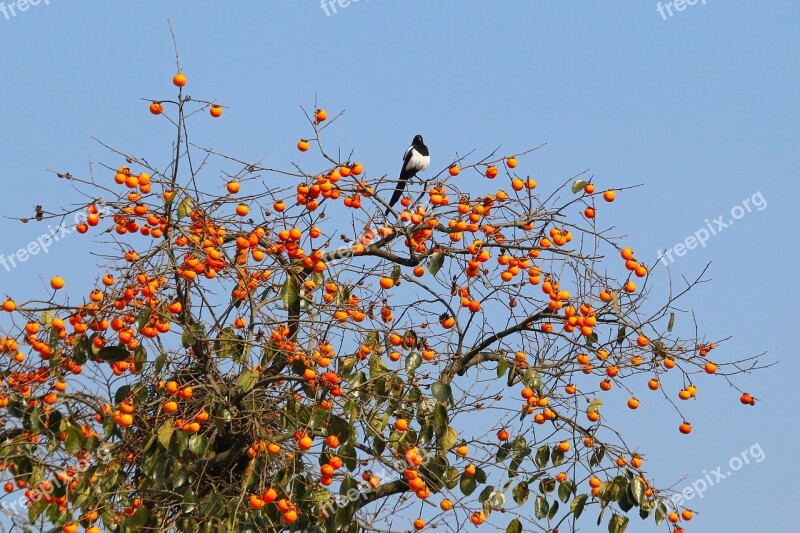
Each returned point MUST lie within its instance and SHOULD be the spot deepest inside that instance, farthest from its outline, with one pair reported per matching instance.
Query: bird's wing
(406, 160)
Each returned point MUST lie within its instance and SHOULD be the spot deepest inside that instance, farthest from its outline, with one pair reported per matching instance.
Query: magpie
(416, 159)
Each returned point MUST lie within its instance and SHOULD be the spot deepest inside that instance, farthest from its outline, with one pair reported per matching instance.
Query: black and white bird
(416, 159)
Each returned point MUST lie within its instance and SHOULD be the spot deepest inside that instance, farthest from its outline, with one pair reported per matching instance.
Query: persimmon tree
(267, 351)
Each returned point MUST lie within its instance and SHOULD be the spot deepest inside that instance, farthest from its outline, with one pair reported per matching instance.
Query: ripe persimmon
(215, 111)
(448, 322)
(746, 399)
(629, 287)
(179, 80)
(477, 518)
(256, 502)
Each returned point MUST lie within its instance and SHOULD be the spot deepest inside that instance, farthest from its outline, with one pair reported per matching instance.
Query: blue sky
(701, 108)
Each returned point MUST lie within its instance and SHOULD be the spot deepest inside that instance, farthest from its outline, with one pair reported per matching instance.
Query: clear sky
(700, 107)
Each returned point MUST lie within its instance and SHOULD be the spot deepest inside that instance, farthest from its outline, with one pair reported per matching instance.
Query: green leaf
(451, 478)
(139, 358)
(230, 345)
(441, 391)
(54, 422)
(553, 510)
(515, 526)
(342, 295)
(36, 509)
(290, 291)
(617, 524)
(532, 379)
(557, 457)
(142, 317)
(184, 208)
(448, 440)
(113, 354)
(165, 433)
(435, 262)
(621, 334)
(661, 512)
(189, 500)
(139, 518)
(540, 507)
(158, 365)
(74, 440)
(191, 335)
(595, 406)
(542, 456)
(198, 444)
(502, 366)
(547, 485)
(346, 365)
(440, 419)
(496, 500)
(247, 380)
(467, 484)
(520, 493)
(413, 362)
(578, 186)
(671, 322)
(637, 490)
(578, 504)
(348, 454)
(46, 318)
(565, 490)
